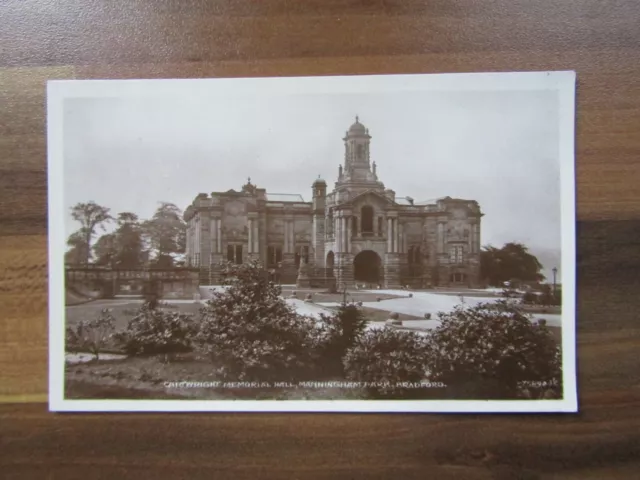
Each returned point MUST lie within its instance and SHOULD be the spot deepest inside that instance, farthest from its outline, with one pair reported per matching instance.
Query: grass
(352, 295)
(376, 315)
(122, 310)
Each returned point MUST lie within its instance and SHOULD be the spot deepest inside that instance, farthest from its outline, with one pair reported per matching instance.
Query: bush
(157, 331)
(336, 335)
(251, 334)
(388, 357)
(548, 298)
(489, 350)
(91, 335)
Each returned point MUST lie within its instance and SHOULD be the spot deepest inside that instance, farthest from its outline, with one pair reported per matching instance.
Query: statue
(339, 171)
(375, 175)
(303, 280)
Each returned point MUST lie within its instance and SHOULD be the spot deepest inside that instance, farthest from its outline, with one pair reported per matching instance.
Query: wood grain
(177, 39)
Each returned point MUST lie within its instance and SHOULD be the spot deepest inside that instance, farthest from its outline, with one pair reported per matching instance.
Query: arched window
(367, 219)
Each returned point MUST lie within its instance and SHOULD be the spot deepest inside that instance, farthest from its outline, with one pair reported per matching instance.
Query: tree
(251, 334)
(129, 244)
(511, 262)
(491, 350)
(91, 216)
(77, 252)
(338, 334)
(124, 247)
(166, 232)
(104, 249)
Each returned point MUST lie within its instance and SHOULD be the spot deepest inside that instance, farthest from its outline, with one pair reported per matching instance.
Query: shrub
(386, 357)
(251, 334)
(337, 334)
(488, 350)
(427, 316)
(394, 316)
(156, 331)
(91, 335)
(548, 298)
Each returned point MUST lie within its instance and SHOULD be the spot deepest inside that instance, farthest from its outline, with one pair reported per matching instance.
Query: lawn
(322, 296)
(122, 310)
(376, 315)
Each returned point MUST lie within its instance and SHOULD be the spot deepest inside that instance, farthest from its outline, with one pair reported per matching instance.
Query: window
(354, 226)
(274, 255)
(367, 219)
(457, 277)
(234, 253)
(380, 226)
(456, 254)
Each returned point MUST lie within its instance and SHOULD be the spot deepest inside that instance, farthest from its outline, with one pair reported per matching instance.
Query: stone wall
(171, 283)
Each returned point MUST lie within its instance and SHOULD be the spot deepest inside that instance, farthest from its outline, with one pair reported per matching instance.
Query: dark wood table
(135, 39)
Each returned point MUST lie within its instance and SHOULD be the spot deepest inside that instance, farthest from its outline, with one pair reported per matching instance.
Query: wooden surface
(132, 39)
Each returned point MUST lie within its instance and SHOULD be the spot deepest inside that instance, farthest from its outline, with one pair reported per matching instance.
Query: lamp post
(555, 272)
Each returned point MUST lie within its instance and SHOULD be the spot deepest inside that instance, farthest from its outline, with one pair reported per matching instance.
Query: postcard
(387, 243)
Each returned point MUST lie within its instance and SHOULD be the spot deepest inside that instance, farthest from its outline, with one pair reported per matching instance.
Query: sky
(497, 147)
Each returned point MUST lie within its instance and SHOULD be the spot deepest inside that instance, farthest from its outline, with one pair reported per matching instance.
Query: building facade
(358, 233)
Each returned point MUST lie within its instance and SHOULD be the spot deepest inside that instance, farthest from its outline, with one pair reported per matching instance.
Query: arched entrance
(367, 267)
(329, 263)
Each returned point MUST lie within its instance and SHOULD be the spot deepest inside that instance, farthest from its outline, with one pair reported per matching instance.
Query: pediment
(370, 196)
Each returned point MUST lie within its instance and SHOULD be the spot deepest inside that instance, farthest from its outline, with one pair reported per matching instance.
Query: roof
(284, 197)
(404, 201)
(427, 202)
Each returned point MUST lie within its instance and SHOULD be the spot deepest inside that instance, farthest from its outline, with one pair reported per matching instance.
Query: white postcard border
(57, 91)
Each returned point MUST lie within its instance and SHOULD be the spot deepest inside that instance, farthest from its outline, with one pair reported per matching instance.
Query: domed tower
(319, 192)
(356, 146)
(357, 166)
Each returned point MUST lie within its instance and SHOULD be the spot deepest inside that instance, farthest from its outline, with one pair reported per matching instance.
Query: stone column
(339, 232)
(216, 250)
(250, 242)
(286, 236)
(256, 236)
(397, 234)
(347, 221)
(214, 236)
(219, 230)
(389, 235)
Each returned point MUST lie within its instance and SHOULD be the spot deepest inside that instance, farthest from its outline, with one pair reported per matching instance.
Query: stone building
(358, 233)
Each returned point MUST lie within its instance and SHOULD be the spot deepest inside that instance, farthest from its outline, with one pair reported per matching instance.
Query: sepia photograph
(387, 243)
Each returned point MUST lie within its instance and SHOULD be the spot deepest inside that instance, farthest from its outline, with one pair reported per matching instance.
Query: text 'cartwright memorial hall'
(359, 233)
